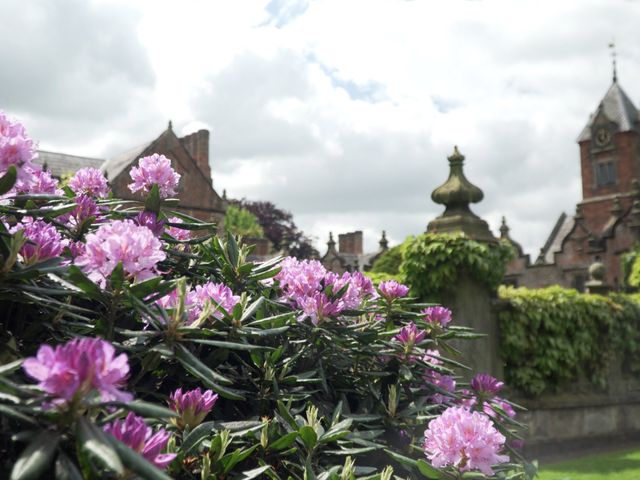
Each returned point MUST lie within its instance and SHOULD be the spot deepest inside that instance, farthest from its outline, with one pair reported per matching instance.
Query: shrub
(132, 348)
(242, 222)
(554, 336)
(433, 263)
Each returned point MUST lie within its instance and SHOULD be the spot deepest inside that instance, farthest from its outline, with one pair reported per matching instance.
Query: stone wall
(574, 420)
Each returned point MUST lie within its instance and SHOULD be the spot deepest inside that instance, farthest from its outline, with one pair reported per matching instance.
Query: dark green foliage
(433, 263)
(554, 336)
(242, 222)
(389, 262)
(297, 401)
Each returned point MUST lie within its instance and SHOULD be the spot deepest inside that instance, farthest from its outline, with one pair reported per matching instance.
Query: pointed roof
(615, 107)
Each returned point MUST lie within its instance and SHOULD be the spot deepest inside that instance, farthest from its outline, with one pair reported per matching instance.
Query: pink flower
(43, 240)
(121, 241)
(16, 148)
(222, 298)
(485, 384)
(170, 301)
(410, 335)
(360, 288)
(87, 207)
(133, 432)
(154, 169)
(36, 180)
(300, 278)
(439, 315)
(89, 181)
(79, 367)
(440, 380)
(151, 221)
(391, 289)
(176, 232)
(465, 440)
(318, 308)
(192, 406)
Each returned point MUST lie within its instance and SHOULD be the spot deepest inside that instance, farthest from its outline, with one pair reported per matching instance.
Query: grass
(621, 465)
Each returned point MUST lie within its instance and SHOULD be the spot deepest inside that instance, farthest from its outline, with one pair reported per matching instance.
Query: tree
(241, 221)
(279, 228)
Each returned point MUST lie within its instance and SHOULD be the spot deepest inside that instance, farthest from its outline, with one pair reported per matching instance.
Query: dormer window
(605, 173)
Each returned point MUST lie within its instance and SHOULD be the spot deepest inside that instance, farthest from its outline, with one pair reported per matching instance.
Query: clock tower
(609, 156)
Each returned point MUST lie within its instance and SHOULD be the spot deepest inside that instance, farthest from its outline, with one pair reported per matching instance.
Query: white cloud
(342, 112)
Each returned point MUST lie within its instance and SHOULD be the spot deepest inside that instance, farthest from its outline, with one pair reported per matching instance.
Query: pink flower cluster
(391, 290)
(133, 432)
(465, 440)
(192, 406)
(89, 181)
(440, 380)
(35, 180)
(410, 335)
(486, 388)
(77, 368)
(121, 241)
(437, 315)
(303, 284)
(16, 148)
(178, 233)
(154, 169)
(221, 297)
(43, 240)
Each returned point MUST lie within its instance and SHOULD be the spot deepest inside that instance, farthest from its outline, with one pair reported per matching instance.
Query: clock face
(603, 137)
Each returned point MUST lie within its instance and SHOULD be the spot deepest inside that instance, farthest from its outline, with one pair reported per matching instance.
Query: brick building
(189, 157)
(350, 256)
(607, 220)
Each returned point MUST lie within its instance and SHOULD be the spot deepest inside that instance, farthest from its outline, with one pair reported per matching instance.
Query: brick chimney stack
(197, 144)
(350, 242)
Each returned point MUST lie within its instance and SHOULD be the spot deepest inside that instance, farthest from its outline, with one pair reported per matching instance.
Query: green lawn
(622, 465)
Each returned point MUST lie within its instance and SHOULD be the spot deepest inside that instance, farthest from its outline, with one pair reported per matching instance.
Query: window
(605, 173)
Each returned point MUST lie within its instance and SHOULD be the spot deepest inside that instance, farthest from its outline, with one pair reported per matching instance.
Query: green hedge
(553, 336)
(433, 263)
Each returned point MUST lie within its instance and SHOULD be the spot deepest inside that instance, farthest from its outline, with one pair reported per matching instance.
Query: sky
(340, 111)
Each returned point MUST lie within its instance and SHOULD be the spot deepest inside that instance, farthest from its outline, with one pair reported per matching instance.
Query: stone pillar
(471, 302)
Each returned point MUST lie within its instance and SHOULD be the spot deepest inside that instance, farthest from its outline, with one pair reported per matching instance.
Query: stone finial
(634, 219)
(504, 229)
(384, 243)
(170, 127)
(616, 208)
(456, 194)
(635, 188)
(224, 194)
(578, 215)
(331, 243)
(457, 191)
(596, 283)
(540, 260)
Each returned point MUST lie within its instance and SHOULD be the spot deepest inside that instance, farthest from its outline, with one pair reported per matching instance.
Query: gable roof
(61, 164)
(113, 166)
(561, 229)
(617, 107)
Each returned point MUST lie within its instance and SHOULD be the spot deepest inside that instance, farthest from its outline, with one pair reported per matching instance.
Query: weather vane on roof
(612, 46)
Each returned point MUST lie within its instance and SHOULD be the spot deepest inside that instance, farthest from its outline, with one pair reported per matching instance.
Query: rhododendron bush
(135, 343)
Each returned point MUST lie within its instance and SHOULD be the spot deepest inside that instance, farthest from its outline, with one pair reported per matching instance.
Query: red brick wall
(350, 242)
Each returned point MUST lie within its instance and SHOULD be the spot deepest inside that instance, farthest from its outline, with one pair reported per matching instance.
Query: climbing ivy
(553, 336)
(433, 264)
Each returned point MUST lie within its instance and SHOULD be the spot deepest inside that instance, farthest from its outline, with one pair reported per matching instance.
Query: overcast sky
(341, 111)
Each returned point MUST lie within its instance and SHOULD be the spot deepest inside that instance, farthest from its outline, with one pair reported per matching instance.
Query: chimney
(350, 242)
(197, 144)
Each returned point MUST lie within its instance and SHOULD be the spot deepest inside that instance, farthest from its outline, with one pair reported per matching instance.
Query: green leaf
(309, 436)
(81, 281)
(8, 180)
(255, 473)
(95, 442)
(146, 409)
(136, 462)
(8, 411)
(196, 367)
(231, 345)
(195, 436)
(36, 458)
(152, 202)
(145, 288)
(284, 442)
(427, 470)
(66, 469)
(251, 309)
